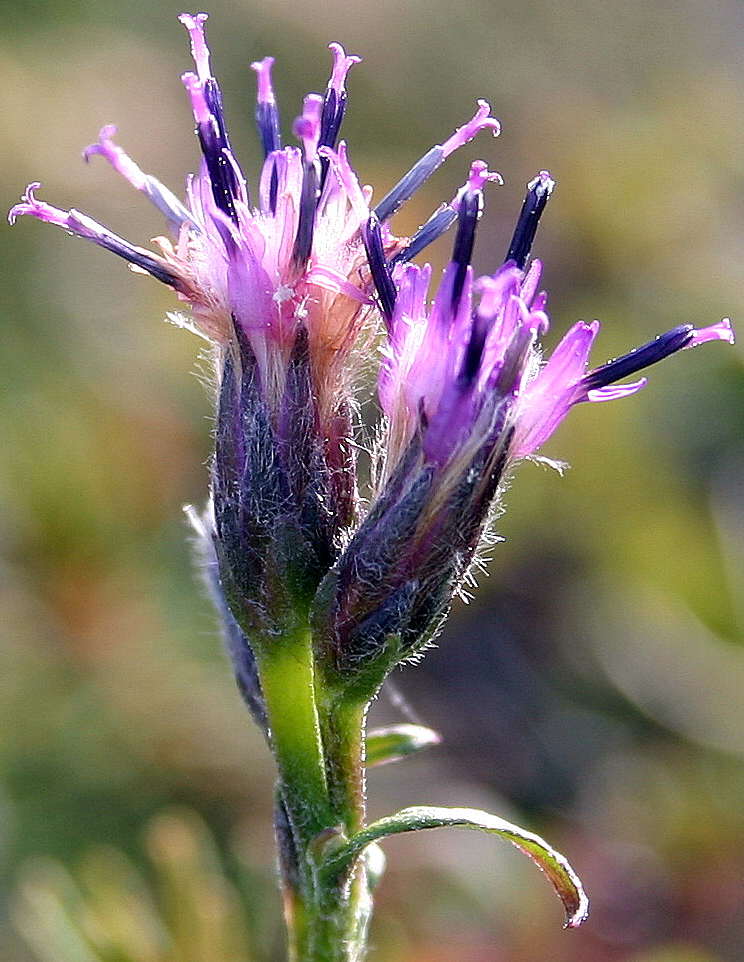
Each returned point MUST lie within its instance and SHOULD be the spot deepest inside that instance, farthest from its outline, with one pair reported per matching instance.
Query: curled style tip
(538, 192)
(432, 159)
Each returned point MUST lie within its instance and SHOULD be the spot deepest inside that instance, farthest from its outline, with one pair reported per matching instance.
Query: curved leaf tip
(555, 866)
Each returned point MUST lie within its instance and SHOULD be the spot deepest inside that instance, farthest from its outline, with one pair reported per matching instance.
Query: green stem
(342, 726)
(342, 730)
(319, 751)
(318, 744)
(288, 684)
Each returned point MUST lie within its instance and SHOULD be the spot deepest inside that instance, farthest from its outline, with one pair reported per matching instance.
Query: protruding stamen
(221, 176)
(306, 216)
(439, 222)
(213, 145)
(471, 208)
(538, 191)
(267, 120)
(642, 357)
(334, 101)
(426, 166)
(267, 112)
(74, 222)
(378, 265)
(443, 218)
(206, 101)
(679, 338)
(334, 104)
(164, 199)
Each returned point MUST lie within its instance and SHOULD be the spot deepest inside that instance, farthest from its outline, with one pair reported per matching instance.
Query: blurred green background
(592, 690)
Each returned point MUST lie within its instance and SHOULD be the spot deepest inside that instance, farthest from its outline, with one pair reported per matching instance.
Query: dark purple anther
(206, 101)
(664, 345)
(474, 353)
(267, 122)
(439, 222)
(140, 259)
(330, 124)
(221, 172)
(378, 265)
(471, 207)
(273, 188)
(538, 191)
(334, 104)
(215, 144)
(334, 107)
(409, 184)
(306, 218)
(213, 97)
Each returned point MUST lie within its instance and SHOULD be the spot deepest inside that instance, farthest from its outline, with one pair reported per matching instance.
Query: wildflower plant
(321, 594)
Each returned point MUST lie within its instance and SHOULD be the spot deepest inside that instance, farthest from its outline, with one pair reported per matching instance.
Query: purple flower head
(469, 367)
(466, 394)
(290, 261)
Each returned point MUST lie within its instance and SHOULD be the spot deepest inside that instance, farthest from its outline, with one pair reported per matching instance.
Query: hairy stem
(318, 745)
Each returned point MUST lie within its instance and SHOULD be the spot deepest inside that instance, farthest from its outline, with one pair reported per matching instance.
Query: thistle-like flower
(287, 289)
(319, 599)
(282, 289)
(466, 395)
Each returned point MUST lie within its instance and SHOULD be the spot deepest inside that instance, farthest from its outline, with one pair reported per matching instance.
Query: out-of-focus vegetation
(191, 913)
(592, 689)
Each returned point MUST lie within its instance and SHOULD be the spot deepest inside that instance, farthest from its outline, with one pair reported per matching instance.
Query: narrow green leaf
(563, 878)
(397, 741)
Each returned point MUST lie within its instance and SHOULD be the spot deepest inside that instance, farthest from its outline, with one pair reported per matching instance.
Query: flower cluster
(287, 287)
(320, 593)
